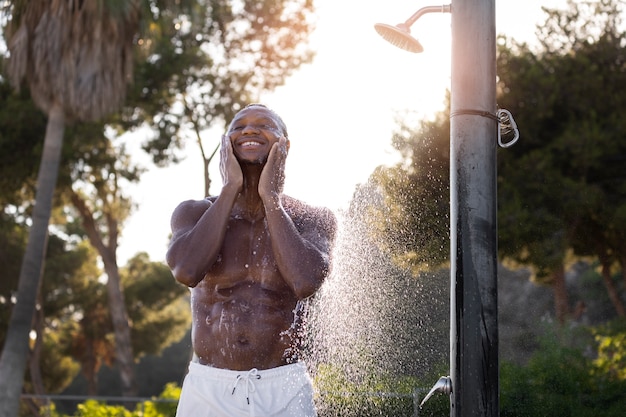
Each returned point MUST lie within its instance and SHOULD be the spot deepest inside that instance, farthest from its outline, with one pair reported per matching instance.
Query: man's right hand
(229, 166)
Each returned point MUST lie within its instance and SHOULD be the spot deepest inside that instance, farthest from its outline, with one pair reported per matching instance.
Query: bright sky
(340, 110)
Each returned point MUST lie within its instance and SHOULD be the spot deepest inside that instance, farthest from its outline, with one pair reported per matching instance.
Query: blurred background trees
(192, 65)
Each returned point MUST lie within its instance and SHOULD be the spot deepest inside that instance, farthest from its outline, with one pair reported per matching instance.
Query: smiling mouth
(250, 144)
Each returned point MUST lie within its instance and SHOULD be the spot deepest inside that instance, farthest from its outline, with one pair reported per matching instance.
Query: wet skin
(243, 309)
(251, 253)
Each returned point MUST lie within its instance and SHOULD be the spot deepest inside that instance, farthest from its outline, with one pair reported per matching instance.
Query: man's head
(253, 131)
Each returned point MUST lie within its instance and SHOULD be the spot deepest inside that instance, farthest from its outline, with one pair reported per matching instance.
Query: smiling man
(250, 256)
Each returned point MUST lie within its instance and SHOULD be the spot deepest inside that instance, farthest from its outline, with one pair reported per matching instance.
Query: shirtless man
(249, 256)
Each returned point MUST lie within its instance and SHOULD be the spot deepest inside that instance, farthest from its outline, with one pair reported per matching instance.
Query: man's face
(252, 133)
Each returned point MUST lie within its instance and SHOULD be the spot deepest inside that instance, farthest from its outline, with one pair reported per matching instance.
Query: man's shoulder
(299, 206)
(192, 208)
(302, 212)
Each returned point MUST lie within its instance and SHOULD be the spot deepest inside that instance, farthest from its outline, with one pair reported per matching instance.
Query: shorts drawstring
(248, 379)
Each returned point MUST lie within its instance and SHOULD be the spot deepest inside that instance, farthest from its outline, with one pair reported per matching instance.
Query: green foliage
(416, 199)
(12, 243)
(560, 380)
(561, 188)
(73, 303)
(199, 62)
(155, 305)
(161, 408)
(166, 407)
(189, 76)
(68, 270)
(93, 408)
(610, 362)
(58, 367)
(21, 129)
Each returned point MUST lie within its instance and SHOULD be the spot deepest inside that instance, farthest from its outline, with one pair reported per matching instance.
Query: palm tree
(76, 59)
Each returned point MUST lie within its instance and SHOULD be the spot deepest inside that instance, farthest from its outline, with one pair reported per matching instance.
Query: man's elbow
(186, 277)
(310, 286)
(182, 274)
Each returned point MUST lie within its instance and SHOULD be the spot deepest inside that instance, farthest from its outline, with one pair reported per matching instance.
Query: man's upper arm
(186, 215)
(321, 231)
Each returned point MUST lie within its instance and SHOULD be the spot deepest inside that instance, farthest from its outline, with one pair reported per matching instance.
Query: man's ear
(287, 145)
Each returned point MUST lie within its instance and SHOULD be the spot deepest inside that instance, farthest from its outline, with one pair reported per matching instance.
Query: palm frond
(76, 53)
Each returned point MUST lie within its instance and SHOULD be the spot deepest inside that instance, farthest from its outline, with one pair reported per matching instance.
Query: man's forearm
(193, 253)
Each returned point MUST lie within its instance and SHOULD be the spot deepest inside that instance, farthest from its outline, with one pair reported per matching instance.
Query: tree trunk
(612, 289)
(561, 300)
(123, 348)
(90, 369)
(622, 263)
(15, 351)
(34, 366)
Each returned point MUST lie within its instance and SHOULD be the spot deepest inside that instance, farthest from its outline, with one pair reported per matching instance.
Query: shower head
(399, 36)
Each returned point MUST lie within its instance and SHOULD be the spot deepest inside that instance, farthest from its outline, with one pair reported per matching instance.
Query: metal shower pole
(473, 234)
(473, 382)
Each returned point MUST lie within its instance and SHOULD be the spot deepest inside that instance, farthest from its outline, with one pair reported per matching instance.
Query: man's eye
(259, 126)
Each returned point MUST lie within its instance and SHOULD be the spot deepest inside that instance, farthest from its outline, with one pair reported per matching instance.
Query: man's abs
(243, 326)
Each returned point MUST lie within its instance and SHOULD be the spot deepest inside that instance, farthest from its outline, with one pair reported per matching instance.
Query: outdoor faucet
(444, 385)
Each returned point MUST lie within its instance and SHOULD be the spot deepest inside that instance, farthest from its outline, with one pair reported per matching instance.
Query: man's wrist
(231, 188)
(272, 202)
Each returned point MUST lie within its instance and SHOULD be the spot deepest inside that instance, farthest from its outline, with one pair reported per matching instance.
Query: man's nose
(249, 129)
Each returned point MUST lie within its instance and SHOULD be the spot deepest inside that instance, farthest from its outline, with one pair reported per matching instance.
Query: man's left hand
(273, 176)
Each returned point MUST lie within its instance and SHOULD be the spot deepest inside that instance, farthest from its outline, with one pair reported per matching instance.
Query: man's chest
(247, 255)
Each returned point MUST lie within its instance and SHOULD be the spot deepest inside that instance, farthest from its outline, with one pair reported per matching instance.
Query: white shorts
(285, 391)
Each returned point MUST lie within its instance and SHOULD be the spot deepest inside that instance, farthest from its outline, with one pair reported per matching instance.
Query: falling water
(373, 321)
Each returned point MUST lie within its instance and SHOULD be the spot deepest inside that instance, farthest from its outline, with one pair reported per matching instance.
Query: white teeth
(250, 144)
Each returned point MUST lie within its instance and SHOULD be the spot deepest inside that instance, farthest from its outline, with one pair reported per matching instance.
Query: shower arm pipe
(445, 8)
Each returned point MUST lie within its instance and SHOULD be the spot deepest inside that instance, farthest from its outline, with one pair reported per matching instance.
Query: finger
(223, 144)
(272, 155)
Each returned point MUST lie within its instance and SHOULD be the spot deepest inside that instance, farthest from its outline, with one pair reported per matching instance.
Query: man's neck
(249, 203)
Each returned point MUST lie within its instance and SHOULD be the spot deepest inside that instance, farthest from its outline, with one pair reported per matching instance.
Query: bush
(561, 381)
(94, 408)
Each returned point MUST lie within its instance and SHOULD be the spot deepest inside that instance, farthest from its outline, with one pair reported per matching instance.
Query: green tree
(173, 40)
(413, 222)
(561, 188)
(176, 65)
(562, 380)
(156, 308)
(12, 241)
(19, 118)
(77, 74)
(561, 193)
(51, 360)
(234, 52)
(156, 305)
(68, 269)
(98, 176)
